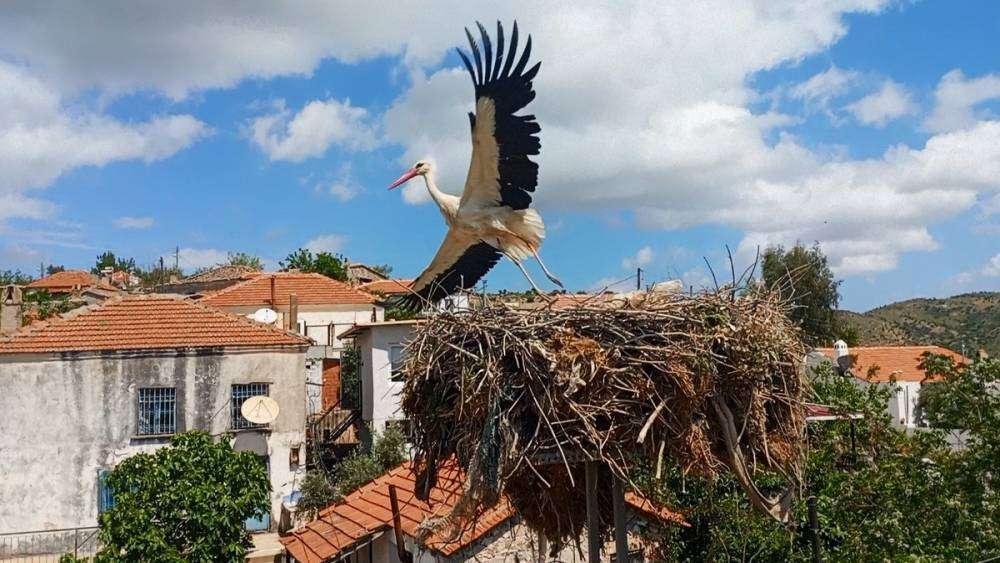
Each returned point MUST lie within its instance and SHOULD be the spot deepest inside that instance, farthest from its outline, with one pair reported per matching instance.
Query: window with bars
(396, 362)
(105, 494)
(157, 410)
(242, 392)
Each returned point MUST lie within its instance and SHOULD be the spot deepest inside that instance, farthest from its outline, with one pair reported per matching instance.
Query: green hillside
(963, 322)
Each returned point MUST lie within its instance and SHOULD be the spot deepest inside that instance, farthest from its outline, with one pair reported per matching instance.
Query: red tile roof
(387, 287)
(309, 289)
(68, 281)
(145, 322)
(367, 511)
(898, 361)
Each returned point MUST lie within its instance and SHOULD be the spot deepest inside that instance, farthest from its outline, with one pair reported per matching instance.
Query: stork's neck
(447, 203)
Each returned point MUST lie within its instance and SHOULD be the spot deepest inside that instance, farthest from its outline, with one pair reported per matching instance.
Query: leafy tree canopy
(54, 269)
(243, 259)
(802, 276)
(895, 497)
(186, 502)
(384, 269)
(329, 265)
(14, 277)
(109, 260)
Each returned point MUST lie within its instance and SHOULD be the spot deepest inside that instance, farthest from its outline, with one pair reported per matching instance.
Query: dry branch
(520, 397)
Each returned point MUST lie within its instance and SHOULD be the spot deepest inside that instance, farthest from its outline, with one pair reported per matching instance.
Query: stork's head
(419, 168)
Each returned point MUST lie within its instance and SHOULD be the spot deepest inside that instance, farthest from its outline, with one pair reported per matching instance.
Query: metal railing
(45, 546)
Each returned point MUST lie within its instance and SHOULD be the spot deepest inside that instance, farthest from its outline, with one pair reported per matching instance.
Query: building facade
(90, 389)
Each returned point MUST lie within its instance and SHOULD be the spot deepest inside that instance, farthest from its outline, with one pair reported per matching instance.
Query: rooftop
(309, 289)
(358, 328)
(145, 322)
(900, 362)
(387, 287)
(221, 273)
(68, 280)
(367, 511)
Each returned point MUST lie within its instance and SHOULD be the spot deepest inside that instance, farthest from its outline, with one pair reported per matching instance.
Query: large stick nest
(521, 397)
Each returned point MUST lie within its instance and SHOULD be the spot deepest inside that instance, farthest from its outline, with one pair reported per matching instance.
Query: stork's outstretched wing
(500, 171)
(460, 262)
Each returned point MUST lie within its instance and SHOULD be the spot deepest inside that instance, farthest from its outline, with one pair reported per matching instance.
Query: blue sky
(670, 130)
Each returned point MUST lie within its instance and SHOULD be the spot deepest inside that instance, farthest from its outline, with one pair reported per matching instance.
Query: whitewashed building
(313, 305)
(84, 391)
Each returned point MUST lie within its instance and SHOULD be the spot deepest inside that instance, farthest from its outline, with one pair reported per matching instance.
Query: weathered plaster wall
(66, 416)
(380, 394)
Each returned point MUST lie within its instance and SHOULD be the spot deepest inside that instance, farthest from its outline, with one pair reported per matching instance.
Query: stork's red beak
(404, 178)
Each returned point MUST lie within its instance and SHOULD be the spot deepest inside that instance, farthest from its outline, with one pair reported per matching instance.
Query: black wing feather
(470, 267)
(516, 135)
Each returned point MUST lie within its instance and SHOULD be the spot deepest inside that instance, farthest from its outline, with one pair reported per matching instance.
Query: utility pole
(162, 273)
(177, 258)
(638, 279)
(41, 270)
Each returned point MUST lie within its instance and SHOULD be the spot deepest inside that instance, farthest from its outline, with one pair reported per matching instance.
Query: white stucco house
(324, 308)
(86, 390)
(381, 346)
(887, 365)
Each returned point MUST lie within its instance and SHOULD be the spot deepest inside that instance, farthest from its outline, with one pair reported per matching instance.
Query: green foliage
(963, 323)
(109, 260)
(803, 277)
(186, 502)
(243, 259)
(14, 277)
(317, 494)
(397, 313)
(329, 265)
(901, 498)
(350, 378)
(54, 269)
(384, 269)
(154, 276)
(362, 466)
(41, 304)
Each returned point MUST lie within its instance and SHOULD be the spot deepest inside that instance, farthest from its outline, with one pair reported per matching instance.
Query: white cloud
(342, 191)
(890, 102)
(327, 243)
(195, 258)
(309, 133)
(984, 273)
(134, 222)
(992, 267)
(956, 99)
(41, 138)
(642, 258)
(822, 88)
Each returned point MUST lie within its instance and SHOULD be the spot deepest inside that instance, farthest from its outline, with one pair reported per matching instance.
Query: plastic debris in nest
(521, 397)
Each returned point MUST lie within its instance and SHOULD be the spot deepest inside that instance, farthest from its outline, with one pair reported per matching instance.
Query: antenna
(260, 409)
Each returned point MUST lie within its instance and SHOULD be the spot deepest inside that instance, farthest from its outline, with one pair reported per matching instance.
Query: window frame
(105, 493)
(395, 370)
(236, 420)
(151, 427)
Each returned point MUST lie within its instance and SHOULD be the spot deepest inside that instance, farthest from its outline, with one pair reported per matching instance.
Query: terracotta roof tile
(369, 511)
(143, 322)
(221, 273)
(898, 361)
(387, 287)
(309, 289)
(69, 280)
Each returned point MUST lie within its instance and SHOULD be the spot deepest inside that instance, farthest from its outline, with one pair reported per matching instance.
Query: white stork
(493, 217)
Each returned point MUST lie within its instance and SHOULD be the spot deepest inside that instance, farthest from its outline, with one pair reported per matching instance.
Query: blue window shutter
(105, 494)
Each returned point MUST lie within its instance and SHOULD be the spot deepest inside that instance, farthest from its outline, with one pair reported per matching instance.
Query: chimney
(274, 294)
(10, 309)
(293, 312)
(842, 356)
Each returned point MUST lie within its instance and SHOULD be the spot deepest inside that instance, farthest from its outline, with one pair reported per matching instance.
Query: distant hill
(971, 320)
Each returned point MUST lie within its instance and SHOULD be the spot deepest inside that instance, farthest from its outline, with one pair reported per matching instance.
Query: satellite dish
(265, 315)
(260, 409)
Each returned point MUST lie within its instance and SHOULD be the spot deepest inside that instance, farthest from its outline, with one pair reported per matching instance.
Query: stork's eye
(419, 164)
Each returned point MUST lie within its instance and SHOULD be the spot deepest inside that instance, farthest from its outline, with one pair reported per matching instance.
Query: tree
(41, 304)
(243, 259)
(186, 502)
(384, 269)
(109, 260)
(320, 490)
(802, 276)
(54, 269)
(14, 277)
(329, 265)
(902, 497)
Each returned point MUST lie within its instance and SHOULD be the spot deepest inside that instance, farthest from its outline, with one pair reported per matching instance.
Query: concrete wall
(380, 395)
(66, 416)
